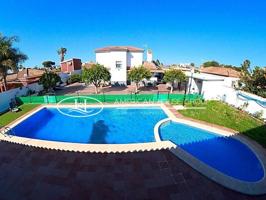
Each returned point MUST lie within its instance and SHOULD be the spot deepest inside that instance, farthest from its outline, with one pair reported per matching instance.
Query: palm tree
(62, 52)
(10, 57)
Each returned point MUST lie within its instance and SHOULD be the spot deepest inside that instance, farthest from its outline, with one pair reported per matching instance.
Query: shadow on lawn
(258, 134)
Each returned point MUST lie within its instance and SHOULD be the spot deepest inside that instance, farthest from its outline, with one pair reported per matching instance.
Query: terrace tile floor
(79, 88)
(33, 173)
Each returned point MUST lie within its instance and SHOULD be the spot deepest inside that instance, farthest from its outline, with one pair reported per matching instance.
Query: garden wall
(5, 97)
(246, 101)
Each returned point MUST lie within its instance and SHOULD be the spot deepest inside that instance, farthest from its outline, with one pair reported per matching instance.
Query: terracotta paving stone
(33, 173)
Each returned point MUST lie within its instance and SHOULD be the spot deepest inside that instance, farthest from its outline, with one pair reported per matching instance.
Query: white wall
(215, 88)
(149, 56)
(104, 59)
(119, 75)
(136, 59)
(231, 96)
(212, 90)
(64, 76)
(5, 97)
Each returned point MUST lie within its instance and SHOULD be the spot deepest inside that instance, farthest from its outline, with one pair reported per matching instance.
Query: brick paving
(33, 173)
(80, 88)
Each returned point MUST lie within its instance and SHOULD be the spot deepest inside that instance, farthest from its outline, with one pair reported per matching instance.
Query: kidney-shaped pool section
(225, 154)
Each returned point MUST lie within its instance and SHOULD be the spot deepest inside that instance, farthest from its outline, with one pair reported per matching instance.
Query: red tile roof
(22, 75)
(222, 71)
(88, 64)
(118, 48)
(152, 67)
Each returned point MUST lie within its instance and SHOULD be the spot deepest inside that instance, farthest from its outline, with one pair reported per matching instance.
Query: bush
(49, 80)
(258, 114)
(243, 106)
(74, 78)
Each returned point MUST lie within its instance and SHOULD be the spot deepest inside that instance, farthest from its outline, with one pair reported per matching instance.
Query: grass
(8, 117)
(222, 114)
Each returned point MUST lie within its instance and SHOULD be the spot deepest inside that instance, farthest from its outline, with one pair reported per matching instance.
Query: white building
(119, 59)
(149, 56)
(212, 82)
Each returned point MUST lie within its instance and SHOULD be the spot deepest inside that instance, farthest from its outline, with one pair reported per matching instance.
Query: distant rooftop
(119, 48)
(222, 71)
(25, 73)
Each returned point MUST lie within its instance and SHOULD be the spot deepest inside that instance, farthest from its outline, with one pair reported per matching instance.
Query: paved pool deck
(35, 173)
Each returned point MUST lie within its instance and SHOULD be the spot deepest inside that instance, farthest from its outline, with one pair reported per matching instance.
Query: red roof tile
(118, 48)
(222, 71)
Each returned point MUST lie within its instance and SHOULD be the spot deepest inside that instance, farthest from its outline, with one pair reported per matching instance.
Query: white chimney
(149, 55)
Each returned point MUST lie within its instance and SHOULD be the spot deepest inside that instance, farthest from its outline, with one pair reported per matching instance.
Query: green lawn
(224, 115)
(8, 117)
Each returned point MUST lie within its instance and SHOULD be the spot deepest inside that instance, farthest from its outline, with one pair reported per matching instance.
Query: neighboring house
(24, 77)
(119, 59)
(212, 82)
(19, 84)
(221, 71)
(157, 72)
(71, 66)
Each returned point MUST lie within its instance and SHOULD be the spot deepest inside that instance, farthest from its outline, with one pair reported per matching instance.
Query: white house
(119, 59)
(212, 82)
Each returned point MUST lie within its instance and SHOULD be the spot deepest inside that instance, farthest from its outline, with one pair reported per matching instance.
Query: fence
(104, 98)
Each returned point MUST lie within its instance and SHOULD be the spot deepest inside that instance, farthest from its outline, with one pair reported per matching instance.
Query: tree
(49, 80)
(62, 52)
(137, 74)
(48, 64)
(245, 66)
(157, 63)
(97, 74)
(211, 64)
(10, 57)
(255, 82)
(231, 67)
(174, 75)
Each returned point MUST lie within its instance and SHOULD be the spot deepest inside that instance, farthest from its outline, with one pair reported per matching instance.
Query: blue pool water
(111, 126)
(227, 155)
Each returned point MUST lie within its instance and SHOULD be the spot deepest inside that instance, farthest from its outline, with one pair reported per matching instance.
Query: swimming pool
(247, 97)
(229, 161)
(116, 125)
(225, 154)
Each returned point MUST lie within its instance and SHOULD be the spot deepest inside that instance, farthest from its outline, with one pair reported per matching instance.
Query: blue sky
(228, 31)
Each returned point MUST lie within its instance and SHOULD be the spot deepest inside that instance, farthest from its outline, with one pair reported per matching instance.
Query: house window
(118, 64)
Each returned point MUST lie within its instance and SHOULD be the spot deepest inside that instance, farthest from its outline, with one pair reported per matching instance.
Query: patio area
(82, 89)
(33, 173)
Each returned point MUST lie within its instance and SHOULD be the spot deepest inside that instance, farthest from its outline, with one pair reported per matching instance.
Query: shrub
(258, 114)
(75, 78)
(49, 80)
